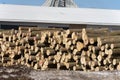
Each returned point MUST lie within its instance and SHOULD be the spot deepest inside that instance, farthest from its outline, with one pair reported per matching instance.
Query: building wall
(77, 26)
(15, 25)
(104, 26)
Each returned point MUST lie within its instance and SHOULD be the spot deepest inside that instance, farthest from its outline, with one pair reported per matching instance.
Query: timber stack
(50, 48)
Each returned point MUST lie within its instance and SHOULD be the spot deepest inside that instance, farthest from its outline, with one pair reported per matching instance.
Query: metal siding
(18, 13)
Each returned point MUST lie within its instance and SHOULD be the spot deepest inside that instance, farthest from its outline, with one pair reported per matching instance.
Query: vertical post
(0, 26)
(64, 3)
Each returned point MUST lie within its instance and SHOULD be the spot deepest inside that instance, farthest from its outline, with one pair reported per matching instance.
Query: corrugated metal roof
(20, 13)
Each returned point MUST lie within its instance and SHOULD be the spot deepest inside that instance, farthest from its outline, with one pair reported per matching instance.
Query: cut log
(77, 67)
(61, 66)
(116, 45)
(50, 52)
(79, 46)
(118, 66)
(70, 65)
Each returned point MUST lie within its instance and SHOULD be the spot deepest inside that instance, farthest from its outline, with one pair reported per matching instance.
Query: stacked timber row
(73, 49)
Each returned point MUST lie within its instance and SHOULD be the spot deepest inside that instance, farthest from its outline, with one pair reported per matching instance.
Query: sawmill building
(57, 15)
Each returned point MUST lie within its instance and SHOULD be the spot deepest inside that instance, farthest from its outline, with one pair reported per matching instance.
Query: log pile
(49, 48)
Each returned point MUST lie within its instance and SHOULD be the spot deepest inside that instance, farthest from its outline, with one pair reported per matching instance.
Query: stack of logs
(49, 48)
